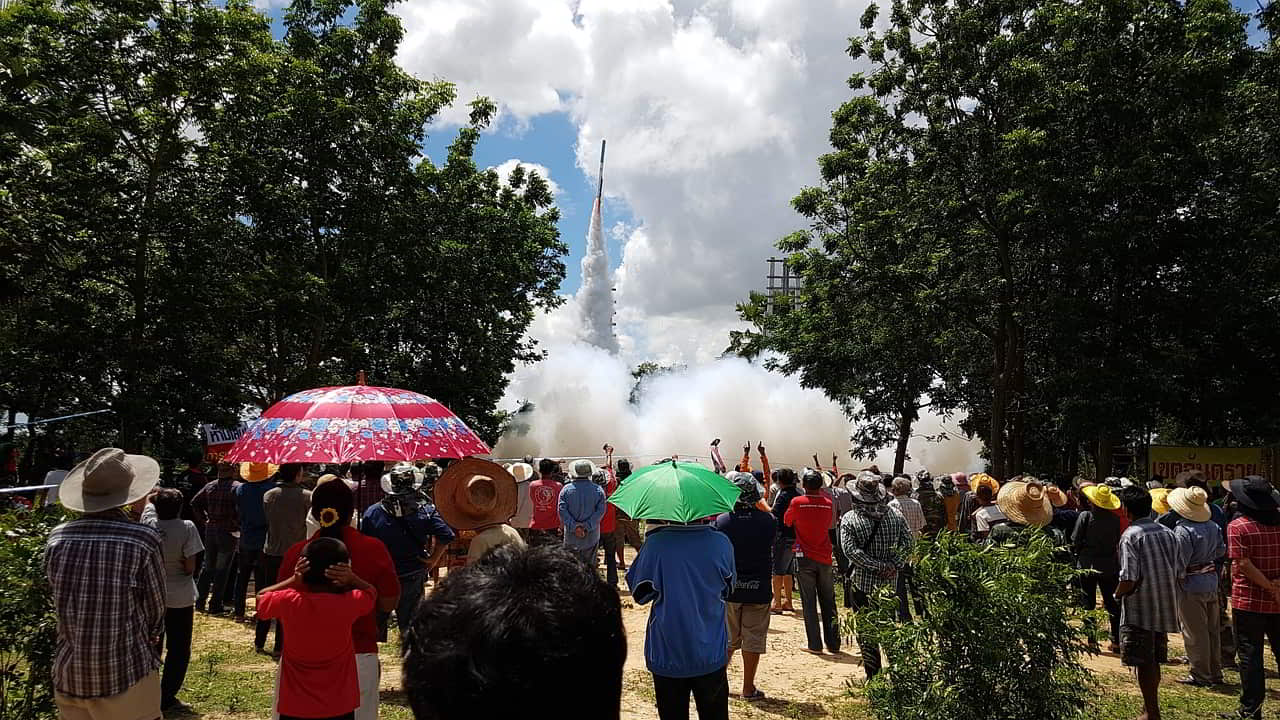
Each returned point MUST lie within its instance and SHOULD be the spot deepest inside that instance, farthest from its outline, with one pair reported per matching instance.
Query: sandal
(753, 697)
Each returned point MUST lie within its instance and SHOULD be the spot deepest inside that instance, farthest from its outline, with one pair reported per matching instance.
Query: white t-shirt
(54, 478)
(985, 516)
(524, 506)
(178, 539)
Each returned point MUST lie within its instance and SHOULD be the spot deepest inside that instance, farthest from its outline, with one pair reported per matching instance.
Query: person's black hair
(785, 477)
(289, 472)
(1136, 500)
(1199, 482)
(321, 554)
(168, 502)
(984, 492)
(624, 469)
(194, 458)
(812, 480)
(336, 496)
(371, 470)
(481, 643)
(547, 466)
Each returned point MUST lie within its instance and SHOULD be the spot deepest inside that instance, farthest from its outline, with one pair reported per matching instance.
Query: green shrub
(1000, 639)
(27, 621)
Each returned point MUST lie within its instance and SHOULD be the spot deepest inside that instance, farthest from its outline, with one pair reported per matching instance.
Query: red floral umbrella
(352, 423)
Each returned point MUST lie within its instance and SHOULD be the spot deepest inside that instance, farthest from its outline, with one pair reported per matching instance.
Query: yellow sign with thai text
(1217, 463)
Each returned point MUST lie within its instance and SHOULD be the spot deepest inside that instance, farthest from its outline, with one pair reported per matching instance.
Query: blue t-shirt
(253, 516)
(686, 571)
(751, 533)
(406, 538)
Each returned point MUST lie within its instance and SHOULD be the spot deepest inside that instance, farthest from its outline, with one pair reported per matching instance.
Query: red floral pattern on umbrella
(352, 423)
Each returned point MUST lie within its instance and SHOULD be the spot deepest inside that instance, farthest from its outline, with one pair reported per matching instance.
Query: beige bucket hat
(109, 479)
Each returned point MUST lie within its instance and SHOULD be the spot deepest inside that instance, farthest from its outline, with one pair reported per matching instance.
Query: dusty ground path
(227, 681)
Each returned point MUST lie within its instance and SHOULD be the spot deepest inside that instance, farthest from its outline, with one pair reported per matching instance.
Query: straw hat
(1057, 498)
(1191, 503)
(1160, 500)
(473, 493)
(254, 472)
(107, 480)
(1101, 496)
(977, 481)
(1025, 503)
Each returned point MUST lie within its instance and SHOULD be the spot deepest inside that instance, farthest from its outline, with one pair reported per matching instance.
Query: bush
(27, 621)
(1000, 638)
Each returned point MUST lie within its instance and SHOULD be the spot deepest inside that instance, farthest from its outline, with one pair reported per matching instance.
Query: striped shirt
(1149, 557)
(107, 576)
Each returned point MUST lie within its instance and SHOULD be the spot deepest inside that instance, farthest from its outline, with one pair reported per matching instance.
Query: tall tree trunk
(905, 422)
(1017, 430)
(1106, 449)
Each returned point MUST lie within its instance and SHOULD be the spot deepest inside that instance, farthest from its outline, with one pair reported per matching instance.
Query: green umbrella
(675, 491)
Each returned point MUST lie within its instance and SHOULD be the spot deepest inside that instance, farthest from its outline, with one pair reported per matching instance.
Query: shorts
(783, 555)
(1139, 646)
(141, 701)
(748, 626)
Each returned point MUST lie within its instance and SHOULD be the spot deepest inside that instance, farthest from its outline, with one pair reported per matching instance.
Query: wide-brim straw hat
(1160, 500)
(1100, 496)
(977, 481)
(109, 479)
(1191, 503)
(474, 492)
(256, 472)
(1025, 503)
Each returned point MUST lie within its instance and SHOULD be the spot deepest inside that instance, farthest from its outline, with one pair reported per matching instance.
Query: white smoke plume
(595, 297)
(581, 399)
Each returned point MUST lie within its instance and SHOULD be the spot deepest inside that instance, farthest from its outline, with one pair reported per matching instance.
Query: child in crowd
(317, 606)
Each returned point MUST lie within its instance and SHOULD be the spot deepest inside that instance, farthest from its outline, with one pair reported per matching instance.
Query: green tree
(1020, 192)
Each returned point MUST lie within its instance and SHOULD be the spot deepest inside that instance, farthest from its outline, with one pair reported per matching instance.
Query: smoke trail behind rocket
(595, 297)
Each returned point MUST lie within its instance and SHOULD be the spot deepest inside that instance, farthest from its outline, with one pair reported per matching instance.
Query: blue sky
(549, 140)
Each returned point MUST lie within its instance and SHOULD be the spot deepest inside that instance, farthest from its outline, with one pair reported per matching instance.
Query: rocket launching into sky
(595, 297)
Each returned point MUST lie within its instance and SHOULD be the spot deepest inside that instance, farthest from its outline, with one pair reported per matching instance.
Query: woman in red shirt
(316, 607)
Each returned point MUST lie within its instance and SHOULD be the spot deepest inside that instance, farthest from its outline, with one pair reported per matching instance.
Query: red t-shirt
(546, 504)
(371, 561)
(1248, 538)
(810, 515)
(610, 520)
(318, 669)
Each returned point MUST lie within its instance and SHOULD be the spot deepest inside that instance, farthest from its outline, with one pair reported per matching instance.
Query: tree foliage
(999, 637)
(198, 218)
(27, 620)
(1038, 214)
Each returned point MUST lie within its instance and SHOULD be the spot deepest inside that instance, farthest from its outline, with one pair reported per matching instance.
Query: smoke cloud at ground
(581, 400)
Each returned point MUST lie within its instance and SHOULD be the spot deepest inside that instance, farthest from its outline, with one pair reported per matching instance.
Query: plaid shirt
(888, 548)
(216, 504)
(108, 586)
(1248, 538)
(911, 512)
(1149, 557)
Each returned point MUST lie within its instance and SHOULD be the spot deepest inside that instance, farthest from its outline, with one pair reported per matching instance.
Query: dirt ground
(797, 684)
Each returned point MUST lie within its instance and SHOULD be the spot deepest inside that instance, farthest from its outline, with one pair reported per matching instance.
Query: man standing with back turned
(107, 576)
